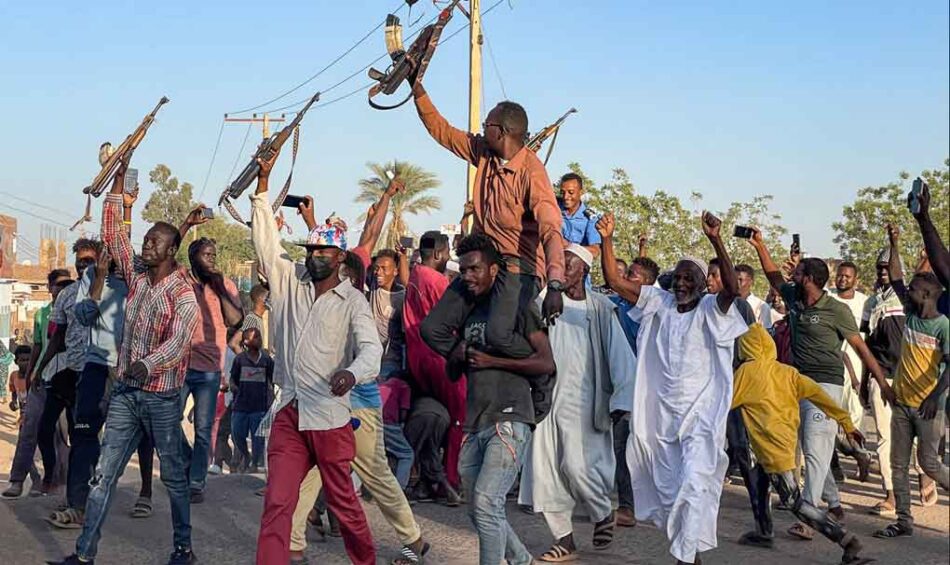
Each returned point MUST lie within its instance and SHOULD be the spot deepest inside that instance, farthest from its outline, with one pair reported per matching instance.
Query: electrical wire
(494, 64)
(240, 152)
(214, 155)
(324, 69)
(32, 203)
(28, 213)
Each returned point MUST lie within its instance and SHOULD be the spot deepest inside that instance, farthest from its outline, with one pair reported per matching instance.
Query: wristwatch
(556, 286)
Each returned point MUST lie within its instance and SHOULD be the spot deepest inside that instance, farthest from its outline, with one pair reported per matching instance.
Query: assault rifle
(111, 162)
(408, 65)
(535, 142)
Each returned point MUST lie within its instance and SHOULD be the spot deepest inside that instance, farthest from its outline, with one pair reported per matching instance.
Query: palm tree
(413, 200)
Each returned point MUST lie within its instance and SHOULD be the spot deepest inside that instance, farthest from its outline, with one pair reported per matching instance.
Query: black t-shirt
(255, 382)
(495, 395)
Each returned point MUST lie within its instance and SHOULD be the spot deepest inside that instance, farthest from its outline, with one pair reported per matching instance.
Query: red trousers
(291, 454)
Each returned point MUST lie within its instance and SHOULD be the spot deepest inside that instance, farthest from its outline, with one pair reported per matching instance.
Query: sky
(807, 101)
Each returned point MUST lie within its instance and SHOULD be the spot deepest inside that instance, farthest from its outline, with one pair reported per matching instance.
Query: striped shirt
(160, 318)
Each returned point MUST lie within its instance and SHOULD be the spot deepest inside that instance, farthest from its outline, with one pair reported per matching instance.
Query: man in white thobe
(676, 451)
(571, 458)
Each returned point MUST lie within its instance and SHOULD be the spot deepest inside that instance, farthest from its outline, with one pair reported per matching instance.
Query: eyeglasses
(487, 125)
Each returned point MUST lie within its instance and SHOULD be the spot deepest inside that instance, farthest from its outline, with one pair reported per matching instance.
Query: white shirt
(764, 314)
(312, 340)
(856, 304)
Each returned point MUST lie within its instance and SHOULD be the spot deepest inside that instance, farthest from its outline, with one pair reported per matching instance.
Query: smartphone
(292, 201)
(796, 244)
(131, 181)
(743, 232)
(407, 242)
(390, 175)
(207, 213)
(914, 201)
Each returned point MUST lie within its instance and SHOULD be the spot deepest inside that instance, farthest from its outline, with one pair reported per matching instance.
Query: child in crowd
(18, 377)
(396, 397)
(252, 378)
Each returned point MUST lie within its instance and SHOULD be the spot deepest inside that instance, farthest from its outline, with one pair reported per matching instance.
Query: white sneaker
(215, 470)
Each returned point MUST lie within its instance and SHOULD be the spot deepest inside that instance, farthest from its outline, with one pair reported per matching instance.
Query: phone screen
(207, 213)
(292, 201)
(406, 242)
(743, 232)
(131, 180)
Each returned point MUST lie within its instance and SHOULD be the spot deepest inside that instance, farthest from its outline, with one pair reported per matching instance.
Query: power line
(240, 152)
(494, 64)
(324, 69)
(28, 213)
(214, 154)
(31, 203)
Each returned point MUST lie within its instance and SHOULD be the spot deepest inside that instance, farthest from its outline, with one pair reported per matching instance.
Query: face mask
(319, 268)
(81, 266)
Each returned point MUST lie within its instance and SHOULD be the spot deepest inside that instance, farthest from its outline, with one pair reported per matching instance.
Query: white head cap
(582, 252)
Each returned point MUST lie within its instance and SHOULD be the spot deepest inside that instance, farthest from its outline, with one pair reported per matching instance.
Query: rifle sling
(229, 206)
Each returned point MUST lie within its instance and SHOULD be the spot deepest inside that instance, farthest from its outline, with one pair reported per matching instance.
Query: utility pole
(474, 83)
(264, 120)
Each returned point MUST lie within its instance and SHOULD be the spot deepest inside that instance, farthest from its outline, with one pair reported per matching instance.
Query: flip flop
(142, 508)
(69, 519)
(928, 491)
(801, 531)
(409, 557)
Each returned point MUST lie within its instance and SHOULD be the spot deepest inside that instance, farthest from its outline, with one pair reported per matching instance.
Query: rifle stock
(535, 142)
(107, 172)
(266, 151)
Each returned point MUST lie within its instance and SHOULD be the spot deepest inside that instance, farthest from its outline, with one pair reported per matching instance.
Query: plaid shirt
(160, 319)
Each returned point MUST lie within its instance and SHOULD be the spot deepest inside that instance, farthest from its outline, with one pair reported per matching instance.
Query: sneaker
(182, 556)
(15, 490)
(215, 470)
(72, 560)
(197, 497)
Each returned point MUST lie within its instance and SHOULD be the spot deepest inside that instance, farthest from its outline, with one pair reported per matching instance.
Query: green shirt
(817, 334)
(40, 326)
(925, 345)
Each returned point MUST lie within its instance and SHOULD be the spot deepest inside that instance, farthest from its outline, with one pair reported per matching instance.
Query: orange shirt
(514, 201)
(211, 336)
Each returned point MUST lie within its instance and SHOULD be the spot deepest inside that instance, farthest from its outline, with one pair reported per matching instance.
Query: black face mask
(81, 266)
(318, 267)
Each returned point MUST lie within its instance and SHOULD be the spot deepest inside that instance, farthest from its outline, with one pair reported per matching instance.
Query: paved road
(225, 530)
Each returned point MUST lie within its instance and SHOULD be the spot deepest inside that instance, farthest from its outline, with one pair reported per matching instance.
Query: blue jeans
(133, 413)
(204, 387)
(242, 424)
(87, 422)
(489, 463)
(399, 449)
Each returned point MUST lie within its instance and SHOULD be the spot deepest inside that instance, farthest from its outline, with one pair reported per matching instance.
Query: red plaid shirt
(159, 320)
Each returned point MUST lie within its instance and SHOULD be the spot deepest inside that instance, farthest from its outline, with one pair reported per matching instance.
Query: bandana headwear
(582, 253)
(330, 234)
(699, 263)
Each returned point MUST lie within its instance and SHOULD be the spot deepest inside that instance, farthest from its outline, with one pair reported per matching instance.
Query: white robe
(676, 451)
(569, 459)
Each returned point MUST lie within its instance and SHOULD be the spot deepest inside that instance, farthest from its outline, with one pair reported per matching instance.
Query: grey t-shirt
(387, 311)
(77, 335)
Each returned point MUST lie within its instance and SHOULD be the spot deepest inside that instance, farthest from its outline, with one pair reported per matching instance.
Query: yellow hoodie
(768, 393)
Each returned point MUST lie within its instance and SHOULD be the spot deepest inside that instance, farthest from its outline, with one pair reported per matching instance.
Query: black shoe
(182, 556)
(197, 497)
(72, 560)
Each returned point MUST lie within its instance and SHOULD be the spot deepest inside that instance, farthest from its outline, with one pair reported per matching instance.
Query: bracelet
(127, 222)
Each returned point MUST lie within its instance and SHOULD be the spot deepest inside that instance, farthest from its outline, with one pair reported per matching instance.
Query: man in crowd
(820, 325)
(767, 394)
(937, 253)
(32, 411)
(883, 324)
(161, 317)
(70, 338)
(219, 308)
(762, 310)
(514, 205)
(920, 386)
(845, 290)
(426, 428)
(501, 409)
(682, 394)
(252, 383)
(594, 387)
(312, 426)
(427, 284)
(578, 224)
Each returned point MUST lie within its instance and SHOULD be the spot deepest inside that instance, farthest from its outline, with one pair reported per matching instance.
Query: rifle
(535, 142)
(265, 151)
(126, 148)
(408, 65)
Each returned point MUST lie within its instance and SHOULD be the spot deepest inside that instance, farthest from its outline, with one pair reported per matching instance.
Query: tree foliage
(861, 234)
(413, 200)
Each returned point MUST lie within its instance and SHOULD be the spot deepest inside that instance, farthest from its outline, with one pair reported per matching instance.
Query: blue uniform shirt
(578, 228)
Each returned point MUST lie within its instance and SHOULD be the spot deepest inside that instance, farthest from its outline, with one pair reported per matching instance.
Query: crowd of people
(467, 371)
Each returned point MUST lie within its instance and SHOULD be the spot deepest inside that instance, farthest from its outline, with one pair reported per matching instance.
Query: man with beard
(820, 325)
(883, 323)
(70, 337)
(219, 308)
(325, 342)
(161, 317)
(846, 281)
(682, 394)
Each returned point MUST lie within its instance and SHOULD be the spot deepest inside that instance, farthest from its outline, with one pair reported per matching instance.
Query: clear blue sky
(807, 101)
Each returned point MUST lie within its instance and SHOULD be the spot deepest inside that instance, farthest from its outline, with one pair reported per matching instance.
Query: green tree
(171, 200)
(413, 200)
(861, 235)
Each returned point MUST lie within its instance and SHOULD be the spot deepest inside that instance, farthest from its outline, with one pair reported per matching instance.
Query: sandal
(604, 532)
(69, 519)
(410, 557)
(894, 530)
(558, 554)
(928, 491)
(884, 509)
(801, 531)
(142, 508)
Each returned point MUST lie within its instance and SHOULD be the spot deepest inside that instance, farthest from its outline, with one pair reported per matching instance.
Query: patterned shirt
(160, 318)
(77, 336)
